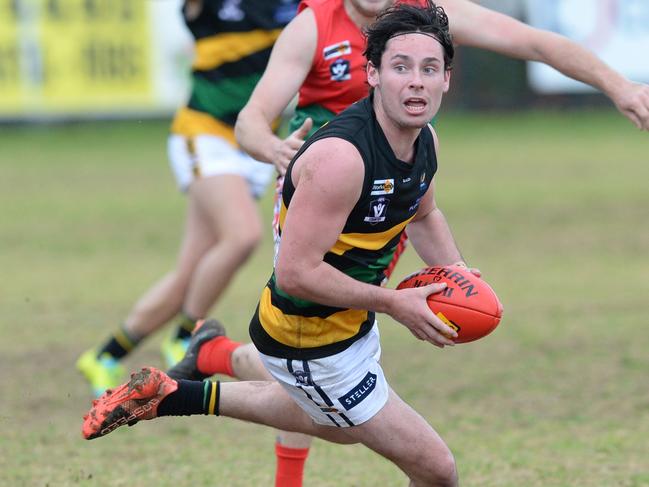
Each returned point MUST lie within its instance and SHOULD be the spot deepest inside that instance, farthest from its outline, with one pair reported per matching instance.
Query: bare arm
(431, 236)
(429, 232)
(476, 26)
(287, 69)
(329, 178)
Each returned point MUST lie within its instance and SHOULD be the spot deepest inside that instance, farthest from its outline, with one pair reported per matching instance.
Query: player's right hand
(411, 309)
(286, 150)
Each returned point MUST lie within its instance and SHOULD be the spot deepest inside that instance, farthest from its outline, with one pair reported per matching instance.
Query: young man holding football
(315, 324)
(328, 74)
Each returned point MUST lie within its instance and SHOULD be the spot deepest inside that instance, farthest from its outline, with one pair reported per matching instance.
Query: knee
(447, 471)
(440, 471)
(246, 364)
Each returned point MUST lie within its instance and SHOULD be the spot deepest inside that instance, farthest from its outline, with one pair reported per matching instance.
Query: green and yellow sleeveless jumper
(233, 43)
(285, 326)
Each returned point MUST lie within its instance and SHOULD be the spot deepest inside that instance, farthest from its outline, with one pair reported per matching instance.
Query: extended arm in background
(476, 26)
(288, 66)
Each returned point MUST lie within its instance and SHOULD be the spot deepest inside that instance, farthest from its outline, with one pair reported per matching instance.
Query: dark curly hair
(403, 18)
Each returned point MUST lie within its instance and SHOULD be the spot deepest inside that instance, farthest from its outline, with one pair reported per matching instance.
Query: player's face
(370, 8)
(411, 81)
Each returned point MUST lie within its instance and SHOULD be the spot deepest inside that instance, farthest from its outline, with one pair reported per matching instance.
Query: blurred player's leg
(228, 209)
(156, 307)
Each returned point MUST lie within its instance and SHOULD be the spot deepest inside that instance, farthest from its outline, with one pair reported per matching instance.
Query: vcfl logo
(339, 70)
(378, 210)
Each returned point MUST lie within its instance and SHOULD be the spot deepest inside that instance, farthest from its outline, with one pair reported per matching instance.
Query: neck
(359, 18)
(401, 139)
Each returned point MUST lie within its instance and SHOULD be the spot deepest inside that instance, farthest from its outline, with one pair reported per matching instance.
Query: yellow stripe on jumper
(367, 241)
(213, 51)
(308, 332)
(191, 123)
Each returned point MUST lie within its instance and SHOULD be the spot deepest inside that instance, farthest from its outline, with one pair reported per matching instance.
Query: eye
(400, 68)
(430, 70)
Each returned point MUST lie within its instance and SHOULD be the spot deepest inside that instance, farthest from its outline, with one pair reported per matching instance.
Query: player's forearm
(432, 239)
(255, 135)
(328, 286)
(576, 62)
(510, 37)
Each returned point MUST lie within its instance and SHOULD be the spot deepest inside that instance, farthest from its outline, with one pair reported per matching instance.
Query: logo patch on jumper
(422, 181)
(285, 12)
(415, 205)
(382, 186)
(340, 70)
(231, 11)
(336, 50)
(359, 392)
(378, 210)
(302, 378)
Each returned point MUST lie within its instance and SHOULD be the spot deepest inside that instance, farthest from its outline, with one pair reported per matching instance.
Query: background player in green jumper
(222, 226)
(409, 54)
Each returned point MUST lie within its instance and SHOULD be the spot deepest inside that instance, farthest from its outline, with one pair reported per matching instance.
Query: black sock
(119, 344)
(191, 397)
(186, 325)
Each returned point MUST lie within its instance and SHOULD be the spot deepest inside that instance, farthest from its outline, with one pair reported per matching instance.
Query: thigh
(225, 206)
(197, 238)
(403, 436)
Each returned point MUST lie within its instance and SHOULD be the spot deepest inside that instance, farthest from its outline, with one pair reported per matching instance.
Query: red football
(468, 304)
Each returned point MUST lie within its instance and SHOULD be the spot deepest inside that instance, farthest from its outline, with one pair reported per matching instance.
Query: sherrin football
(468, 304)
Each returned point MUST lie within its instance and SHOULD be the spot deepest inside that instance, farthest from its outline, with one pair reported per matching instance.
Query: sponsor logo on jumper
(378, 210)
(406, 180)
(302, 378)
(422, 180)
(231, 11)
(382, 186)
(285, 12)
(336, 50)
(340, 70)
(359, 392)
(463, 284)
(415, 205)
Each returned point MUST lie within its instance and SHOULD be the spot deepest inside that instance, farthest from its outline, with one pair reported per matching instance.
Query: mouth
(415, 106)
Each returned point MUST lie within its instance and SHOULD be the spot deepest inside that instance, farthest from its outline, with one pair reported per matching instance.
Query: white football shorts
(208, 155)
(345, 389)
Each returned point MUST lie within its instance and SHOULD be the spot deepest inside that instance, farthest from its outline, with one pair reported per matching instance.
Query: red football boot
(136, 400)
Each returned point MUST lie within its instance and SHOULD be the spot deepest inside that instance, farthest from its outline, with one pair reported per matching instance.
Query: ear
(447, 80)
(372, 74)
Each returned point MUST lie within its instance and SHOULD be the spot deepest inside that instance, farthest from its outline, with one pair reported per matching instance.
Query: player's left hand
(473, 270)
(632, 99)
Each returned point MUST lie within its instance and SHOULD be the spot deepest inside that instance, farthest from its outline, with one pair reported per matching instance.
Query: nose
(416, 80)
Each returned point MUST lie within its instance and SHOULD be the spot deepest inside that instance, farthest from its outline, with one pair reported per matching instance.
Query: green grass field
(554, 208)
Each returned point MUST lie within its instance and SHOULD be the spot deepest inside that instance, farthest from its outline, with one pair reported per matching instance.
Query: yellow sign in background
(67, 57)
